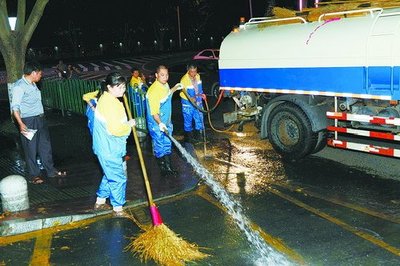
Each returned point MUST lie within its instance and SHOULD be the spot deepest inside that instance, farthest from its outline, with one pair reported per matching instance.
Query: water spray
(268, 256)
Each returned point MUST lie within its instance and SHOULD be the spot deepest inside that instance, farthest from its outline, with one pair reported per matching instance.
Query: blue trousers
(162, 145)
(190, 114)
(113, 184)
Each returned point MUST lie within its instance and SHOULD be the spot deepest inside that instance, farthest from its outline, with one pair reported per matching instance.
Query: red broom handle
(139, 150)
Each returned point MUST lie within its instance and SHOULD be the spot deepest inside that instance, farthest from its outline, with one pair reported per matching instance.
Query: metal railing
(66, 96)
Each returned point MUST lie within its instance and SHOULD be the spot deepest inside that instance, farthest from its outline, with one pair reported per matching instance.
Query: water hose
(205, 99)
(207, 110)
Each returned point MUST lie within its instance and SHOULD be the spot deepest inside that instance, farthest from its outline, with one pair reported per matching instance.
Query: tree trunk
(14, 61)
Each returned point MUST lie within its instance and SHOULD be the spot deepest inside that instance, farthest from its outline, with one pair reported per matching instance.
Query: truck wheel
(289, 131)
(215, 90)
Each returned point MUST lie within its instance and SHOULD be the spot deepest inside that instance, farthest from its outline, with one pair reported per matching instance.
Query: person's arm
(88, 97)
(16, 100)
(22, 127)
(157, 118)
(178, 86)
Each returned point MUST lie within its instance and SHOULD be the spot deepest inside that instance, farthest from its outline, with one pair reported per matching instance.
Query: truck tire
(290, 133)
(215, 90)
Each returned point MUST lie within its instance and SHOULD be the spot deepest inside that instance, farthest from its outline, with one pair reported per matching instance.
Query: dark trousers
(39, 145)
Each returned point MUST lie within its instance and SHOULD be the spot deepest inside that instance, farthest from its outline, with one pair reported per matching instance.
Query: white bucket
(141, 124)
(14, 193)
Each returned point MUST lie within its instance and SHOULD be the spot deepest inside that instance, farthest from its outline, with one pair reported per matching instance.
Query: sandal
(101, 207)
(120, 214)
(37, 180)
(59, 174)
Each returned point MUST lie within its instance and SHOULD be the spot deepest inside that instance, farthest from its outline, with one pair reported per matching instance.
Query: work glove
(178, 86)
(131, 123)
(163, 127)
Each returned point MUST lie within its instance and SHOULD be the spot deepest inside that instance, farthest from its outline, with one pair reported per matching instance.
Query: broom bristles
(164, 246)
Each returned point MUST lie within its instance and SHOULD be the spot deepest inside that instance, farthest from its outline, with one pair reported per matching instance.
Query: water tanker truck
(334, 81)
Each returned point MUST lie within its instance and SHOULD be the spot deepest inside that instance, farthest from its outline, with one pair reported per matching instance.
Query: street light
(13, 22)
(250, 9)
(56, 50)
(179, 28)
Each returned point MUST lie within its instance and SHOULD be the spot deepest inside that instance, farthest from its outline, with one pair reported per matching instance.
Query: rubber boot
(168, 165)
(199, 136)
(162, 164)
(188, 137)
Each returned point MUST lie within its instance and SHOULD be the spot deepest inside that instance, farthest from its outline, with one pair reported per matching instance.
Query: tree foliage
(13, 44)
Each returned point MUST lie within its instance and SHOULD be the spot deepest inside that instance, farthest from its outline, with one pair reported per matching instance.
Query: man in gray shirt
(27, 108)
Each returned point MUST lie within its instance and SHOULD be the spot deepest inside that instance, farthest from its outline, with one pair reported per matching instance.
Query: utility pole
(251, 9)
(179, 28)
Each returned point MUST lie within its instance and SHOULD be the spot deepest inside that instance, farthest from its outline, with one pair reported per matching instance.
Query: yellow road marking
(42, 251)
(272, 241)
(342, 224)
(376, 214)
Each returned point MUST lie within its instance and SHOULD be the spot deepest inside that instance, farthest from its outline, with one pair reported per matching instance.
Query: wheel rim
(288, 131)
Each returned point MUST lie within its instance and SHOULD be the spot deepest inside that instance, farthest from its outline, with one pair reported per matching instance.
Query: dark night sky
(111, 16)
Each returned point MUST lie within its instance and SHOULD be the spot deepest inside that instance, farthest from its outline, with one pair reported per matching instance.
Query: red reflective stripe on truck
(378, 120)
(381, 150)
(337, 143)
(365, 133)
(338, 129)
(389, 152)
(382, 135)
(336, 115)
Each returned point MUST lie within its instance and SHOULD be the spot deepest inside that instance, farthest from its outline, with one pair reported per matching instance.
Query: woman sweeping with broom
(111, 128)
(158, 242)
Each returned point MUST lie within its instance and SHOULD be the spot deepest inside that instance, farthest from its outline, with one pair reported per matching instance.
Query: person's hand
(163, 127)
(131, 123)
(177, 87)
(23, 128)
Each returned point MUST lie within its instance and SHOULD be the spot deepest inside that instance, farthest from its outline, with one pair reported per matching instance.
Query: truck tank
(344, 55)
(335, 57)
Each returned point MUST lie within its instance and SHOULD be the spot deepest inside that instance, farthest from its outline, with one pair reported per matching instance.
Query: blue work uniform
(190, 113)
(110, 132)
(159, 101)
(137, 91)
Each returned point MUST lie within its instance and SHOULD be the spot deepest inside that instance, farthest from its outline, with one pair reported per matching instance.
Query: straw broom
(158, 242)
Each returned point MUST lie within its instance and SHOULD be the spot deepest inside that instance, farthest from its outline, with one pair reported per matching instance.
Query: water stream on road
(267, 256)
